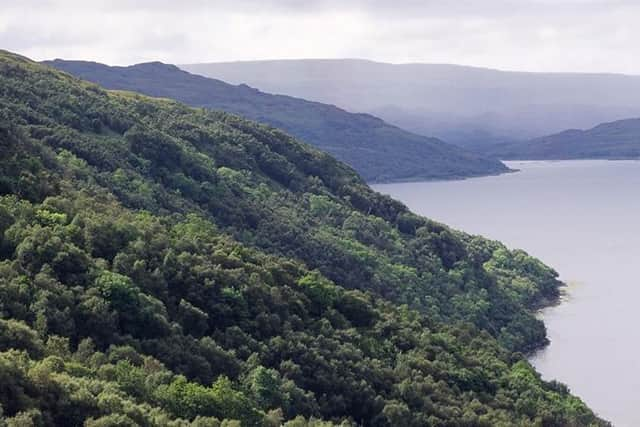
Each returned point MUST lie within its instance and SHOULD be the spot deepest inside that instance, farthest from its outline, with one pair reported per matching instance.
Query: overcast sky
(535, 35)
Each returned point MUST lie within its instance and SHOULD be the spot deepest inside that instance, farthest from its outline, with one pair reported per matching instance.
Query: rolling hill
(378, 151)
(614, 140)
(163, 265)
(468, 106)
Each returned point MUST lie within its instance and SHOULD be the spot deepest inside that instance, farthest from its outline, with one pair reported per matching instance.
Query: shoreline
(440, 179)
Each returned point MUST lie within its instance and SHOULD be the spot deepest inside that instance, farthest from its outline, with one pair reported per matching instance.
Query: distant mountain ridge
(468, 106)
(378, 151)
(613, 140)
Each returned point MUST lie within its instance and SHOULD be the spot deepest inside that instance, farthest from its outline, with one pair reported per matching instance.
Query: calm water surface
(583, 219)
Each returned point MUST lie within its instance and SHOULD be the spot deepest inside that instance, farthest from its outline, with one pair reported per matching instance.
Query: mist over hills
(468, 106)
(378, 151)
(614, 140)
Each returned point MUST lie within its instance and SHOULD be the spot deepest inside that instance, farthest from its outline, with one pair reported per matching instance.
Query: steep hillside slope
(378, 151)
(164, 265)
(615, 140)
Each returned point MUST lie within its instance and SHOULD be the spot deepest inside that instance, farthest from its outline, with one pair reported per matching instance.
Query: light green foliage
(321, 291)
(164, 266)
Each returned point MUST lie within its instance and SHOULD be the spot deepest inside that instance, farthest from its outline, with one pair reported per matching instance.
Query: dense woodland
(168, 266)
(378, 151)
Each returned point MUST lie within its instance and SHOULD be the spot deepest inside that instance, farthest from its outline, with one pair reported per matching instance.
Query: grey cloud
(548, 35)
(394, 7)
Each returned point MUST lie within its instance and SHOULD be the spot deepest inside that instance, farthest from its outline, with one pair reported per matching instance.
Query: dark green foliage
(205, 287)
(375, 149)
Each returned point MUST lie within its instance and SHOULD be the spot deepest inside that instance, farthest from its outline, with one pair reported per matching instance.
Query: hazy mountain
(614, 140)
(463, 105)
(377, 150)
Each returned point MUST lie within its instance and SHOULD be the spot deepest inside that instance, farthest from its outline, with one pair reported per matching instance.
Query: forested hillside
(168, 266)
(378, 151)
(614, 140)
